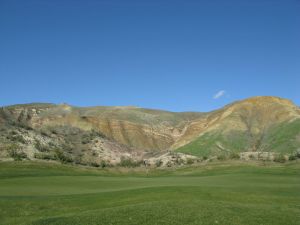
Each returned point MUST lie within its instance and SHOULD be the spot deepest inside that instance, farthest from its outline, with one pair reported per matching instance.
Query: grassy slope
(213, 194)
(282, 138)
(206, 144)
(285, 137)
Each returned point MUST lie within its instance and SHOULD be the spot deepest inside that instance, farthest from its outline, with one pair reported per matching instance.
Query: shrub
(67, 147)
(251, 157)
(89, 136)
(53, 131)
(84, 141)
(127, 162)
(179, 160)
(41, 147)
(221, 157)
(104, 164)
(86, 138)
(234, 155)
(44, 133)
(78, 159)
(51, 144)
(15, 152)
(158, 163)
(94, 164)
(169, 164)
(205, 157)
(292, 157)
(15, 137)
(62, 157)
(95, 134)
(297, 154)
(45, 156)
(279, 158)
(190, 161)
(25, 126)
(13, 132)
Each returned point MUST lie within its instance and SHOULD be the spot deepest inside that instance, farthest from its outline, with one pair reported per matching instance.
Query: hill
(260, 124)
(107, 135)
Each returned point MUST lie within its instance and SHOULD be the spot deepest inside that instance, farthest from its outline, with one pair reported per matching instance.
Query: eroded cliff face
(137, 128)
(241, 126)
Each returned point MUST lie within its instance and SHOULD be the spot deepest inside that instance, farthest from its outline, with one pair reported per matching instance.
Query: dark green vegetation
(215, 193)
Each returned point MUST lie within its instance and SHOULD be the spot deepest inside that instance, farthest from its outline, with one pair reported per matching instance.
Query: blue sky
(178, 55)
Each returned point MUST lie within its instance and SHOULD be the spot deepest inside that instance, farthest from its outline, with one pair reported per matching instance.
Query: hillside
(105, 135)
(260, 124)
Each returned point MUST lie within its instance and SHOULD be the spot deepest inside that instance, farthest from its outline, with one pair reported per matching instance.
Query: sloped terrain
(106, 135)
(256, 125)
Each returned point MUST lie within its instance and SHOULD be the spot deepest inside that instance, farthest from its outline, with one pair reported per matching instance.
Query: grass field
(217, 193)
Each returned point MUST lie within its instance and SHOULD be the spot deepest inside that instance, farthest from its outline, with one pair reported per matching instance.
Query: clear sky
(179, 55)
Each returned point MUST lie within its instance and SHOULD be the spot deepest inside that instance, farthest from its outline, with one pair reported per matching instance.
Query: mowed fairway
(220, 193)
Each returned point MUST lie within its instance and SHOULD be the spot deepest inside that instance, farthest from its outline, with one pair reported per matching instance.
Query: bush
(44, 133)
(62, 157)
(234, 155)
(15, 137)
(251, 157)
(179, 160)
(104, 164)
(51, 144)
(279, 158)
(25, 126)
(297, 154)
(40, 147)
(205, 157)
(190, 161)
(13, 132)
(53, 131)
(87, 137)
(15, 152)
(158, 163)
(67, 147)
(45, 156)
(292, 157)
(221, 157)
(94, 164)
(85, 141)
(169, 164)
(127, 162)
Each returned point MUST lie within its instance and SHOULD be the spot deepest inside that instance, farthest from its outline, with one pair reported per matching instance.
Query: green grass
(281, 138)
(206, 144)
(216, 193)
(285, 137)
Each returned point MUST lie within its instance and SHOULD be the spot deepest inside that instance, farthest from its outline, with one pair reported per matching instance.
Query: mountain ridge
(127, 131)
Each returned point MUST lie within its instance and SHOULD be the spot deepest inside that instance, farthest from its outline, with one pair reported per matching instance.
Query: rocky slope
(102, 135)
